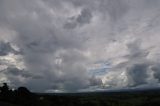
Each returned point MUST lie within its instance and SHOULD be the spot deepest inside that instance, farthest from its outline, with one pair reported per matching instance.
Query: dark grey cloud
(137, 71)
(13, 71)
(6, 48)
(83, 18)
(138, 74)
(156, 70)
(18, 77)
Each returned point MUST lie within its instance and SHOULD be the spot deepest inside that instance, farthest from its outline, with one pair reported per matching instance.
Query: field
(114, 98)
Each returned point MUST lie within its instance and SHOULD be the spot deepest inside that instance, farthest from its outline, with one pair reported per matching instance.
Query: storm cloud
(55, 46)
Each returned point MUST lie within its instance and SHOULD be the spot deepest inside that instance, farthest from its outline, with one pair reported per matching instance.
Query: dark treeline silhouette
(23, 97)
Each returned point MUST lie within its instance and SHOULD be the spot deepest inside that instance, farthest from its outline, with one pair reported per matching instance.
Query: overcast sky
(80, 45)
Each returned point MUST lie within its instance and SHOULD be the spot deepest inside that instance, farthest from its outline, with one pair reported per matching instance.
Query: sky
(80, 45)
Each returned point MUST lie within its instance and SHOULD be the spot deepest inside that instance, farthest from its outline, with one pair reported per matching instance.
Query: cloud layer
(73, 45)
